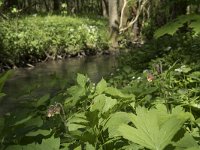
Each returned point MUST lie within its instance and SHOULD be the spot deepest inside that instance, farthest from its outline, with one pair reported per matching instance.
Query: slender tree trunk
(46, 6)
(113, 22)
(105, 8)
(56, 5)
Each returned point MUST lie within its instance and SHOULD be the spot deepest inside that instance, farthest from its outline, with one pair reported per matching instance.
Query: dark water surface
(49, 77)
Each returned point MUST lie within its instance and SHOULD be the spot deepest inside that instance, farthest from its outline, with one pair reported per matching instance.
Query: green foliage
(30, 39)
(3, 78)
(99, 117)
(150, 102)
(170, 28)
(152, 129)
(51, 144)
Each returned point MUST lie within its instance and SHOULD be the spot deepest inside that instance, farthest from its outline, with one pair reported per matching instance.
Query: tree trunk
(113, 22)
(56, 5)
(46, 6)
(104, 8)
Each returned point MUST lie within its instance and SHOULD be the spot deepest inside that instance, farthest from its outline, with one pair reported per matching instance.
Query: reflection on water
(42, 78)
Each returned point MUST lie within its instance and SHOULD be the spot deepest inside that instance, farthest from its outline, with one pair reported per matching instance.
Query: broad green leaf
(169, 28)
(42, 100)
(89, 147)
(47, 144)
(88, 136)
(98, 103)
(101, 86)
(109, 104)
(198, 121)
(193, 148)
(22, 120)
(51, 143)
(92, 117)
(78, 148)
(39, 132)
(81, 80)
(17, 147)
(76, 122)
(2, 95)
(117, 93)
(76, 91)
(132, 146)
(102, 103)
(36, 122)
(186, 142)
(195, 26)
(4, 77)
(193, 21)
(115, 121)
(149, 132)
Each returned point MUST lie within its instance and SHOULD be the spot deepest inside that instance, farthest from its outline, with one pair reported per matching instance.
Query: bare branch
(136, 18)
(122, 14)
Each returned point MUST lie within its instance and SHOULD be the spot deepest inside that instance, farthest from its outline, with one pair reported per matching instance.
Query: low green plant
(99, 116)
(30, 39)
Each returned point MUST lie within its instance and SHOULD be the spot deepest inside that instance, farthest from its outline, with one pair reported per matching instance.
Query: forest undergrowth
(150, 102)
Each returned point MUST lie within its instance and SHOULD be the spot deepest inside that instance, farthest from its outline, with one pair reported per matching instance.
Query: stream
(51, 76)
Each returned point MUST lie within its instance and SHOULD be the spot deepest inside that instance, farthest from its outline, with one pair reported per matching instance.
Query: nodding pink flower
(150, 77)
(53, 110)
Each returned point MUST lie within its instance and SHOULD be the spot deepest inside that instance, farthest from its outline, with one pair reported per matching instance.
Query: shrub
(32, 38)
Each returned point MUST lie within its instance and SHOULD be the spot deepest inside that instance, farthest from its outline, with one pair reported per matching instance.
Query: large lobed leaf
(187, 142)
(193, 21)
(115, 120)
(149, 131)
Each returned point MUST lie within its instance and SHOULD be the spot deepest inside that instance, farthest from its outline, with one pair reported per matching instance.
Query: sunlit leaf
(109, 104)
(115, 121)
(101, 86)
(81, 80)
(193, 148)
(186, 142)
(132, 146)
(148, 132)
(89, 147)
(98, 103)
(78, 148)
(117, 93)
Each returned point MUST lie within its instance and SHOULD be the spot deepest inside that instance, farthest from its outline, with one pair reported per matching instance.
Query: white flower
(178, 70)
(71, 29)
(139, 78)
(168, 48)
(133, 77)
(34, 15)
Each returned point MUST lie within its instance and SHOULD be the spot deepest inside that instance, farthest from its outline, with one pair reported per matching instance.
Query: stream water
(50, 76)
